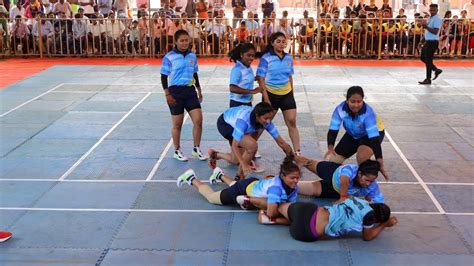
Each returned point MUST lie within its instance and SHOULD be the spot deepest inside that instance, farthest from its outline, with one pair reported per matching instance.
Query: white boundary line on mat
(184, 211)
(163, 154)
(29, 101)
(417, 176)
(173, 181)
(85, 155)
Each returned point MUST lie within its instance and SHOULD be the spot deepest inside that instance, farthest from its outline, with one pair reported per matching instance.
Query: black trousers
(427, 54)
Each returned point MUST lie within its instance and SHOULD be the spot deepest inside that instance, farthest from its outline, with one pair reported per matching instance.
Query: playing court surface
(87, 175)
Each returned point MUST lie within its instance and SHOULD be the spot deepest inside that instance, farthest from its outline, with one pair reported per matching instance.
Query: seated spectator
(458, 38)
(388, 35)
(252, 27)
(265, 32)
(252, 6)
(414, 36)
(79, 31)
(328, 38)
(96, 32)
(217, 33)
(238, 8)
(443, 46)
(307, 34)
(241, 34)
(401, 38)
(115, 37)
(286, 29)
(133, 38)
(194, 32)
(401, 12)
(20, 35)
(47, 33)
(123, 5)
(345, 37)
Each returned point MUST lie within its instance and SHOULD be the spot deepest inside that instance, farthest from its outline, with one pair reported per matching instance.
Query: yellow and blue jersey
(348, 216)
(277, 72)
(372, 191)
(241, 118)
(242, 77)
(179, 67)
(366, 123)
(273, 189)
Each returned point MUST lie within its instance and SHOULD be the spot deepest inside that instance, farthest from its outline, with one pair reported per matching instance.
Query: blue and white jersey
(372, 191)
(241, 120)
(366, 123)
(276, 72)
(179, 67)
(347, 216)
(242, 77)
(272, 189)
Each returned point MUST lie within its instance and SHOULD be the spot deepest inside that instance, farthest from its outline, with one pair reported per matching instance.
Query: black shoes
(437, 72)
(425, 82)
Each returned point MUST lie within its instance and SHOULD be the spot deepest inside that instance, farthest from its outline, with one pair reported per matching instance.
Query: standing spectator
(386, 6)
(63, 7)
(349, 8)
(252, 6)
(191, 9)
(238, 8)
(201, 8)
(47, 33)
(267, 8)
(360, 7)
(104, 6)
(123, 5)
(180, 6)
(423, 8)
(252, 25)
(215, 6)
(443, 46)
(17, 10)
(142, 4)
(469, 7)
(20, 35)
(443, 6)
(87, 6)
(194, 32)
(79, 31)
(431, 44)
(265, 32)
(47, 6)
(371, 7)
(286, 29)
(133, 38)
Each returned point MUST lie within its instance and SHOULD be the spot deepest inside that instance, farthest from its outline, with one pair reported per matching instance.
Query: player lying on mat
(241, 126)
(364, 131)
(309, 223)
(341, 181)
(263, 193)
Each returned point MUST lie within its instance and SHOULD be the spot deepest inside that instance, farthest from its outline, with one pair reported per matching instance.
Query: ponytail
(236, 53)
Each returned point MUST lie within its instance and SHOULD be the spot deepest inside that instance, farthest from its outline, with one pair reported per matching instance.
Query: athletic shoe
(178, 155)
(187, 178)
(198, 154)
(244, 202)
(258, 155)
(4, 236)
(263, 218)
(425, 82)
(437, 72)
(212, 161)
(257, 168)
(216, 176)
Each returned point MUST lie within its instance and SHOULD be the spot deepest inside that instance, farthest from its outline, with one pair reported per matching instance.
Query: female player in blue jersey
(275, 77)
(342, 181)
(309, 223)
(263, 193)
(240, 126)
(364, 131)
(180, 81)
(242, 77)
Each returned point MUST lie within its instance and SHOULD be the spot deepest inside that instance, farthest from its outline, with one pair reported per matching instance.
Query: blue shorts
(186, 99)
(236, 103)
(229, 194)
